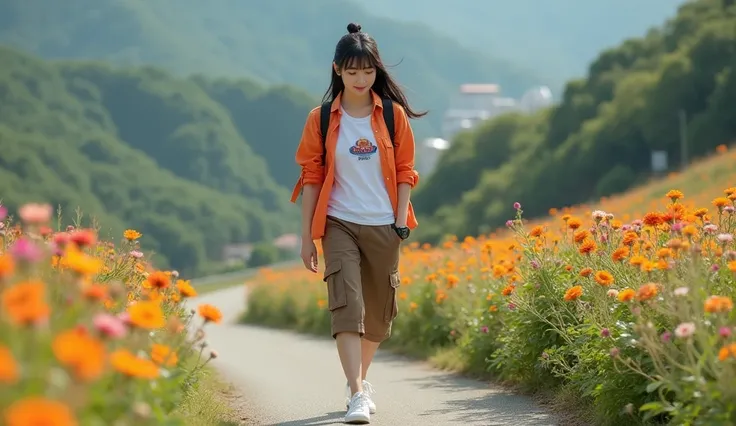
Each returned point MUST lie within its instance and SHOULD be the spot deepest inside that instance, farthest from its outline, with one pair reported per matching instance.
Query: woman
(355, 184)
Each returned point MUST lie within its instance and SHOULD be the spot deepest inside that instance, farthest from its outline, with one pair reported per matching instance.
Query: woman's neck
(352, 101)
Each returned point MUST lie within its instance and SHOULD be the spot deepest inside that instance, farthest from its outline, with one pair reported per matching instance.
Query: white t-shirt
(359, 193)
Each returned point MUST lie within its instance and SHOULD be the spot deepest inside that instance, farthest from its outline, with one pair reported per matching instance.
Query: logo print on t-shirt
(363, 148)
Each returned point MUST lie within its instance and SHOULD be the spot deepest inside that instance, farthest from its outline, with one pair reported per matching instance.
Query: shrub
(634, 319)
(90, 333)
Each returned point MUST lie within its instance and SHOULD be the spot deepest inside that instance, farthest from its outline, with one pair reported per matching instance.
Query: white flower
(681, 291)
(686, 329)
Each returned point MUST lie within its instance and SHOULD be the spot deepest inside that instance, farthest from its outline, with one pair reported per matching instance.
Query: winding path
(292, 379)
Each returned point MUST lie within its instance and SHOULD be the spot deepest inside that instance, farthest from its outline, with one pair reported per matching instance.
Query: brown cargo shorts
(362, 276)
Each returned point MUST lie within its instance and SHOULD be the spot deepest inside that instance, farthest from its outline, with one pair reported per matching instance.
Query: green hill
(557, 37)
(143, 149)
(272, 41)
(599, 140)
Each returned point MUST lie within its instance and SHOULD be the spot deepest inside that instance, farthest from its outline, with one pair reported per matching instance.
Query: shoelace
(368, 389)
(359, 400)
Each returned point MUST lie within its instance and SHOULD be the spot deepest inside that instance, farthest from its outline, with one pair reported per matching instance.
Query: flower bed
(634, 320)
(90, 333)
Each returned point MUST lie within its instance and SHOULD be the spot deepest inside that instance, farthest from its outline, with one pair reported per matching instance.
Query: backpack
(388, 117)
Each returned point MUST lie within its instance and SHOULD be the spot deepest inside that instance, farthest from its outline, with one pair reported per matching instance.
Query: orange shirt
(397, 164)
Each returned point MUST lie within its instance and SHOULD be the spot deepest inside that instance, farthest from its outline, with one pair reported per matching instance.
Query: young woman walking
(357, 159)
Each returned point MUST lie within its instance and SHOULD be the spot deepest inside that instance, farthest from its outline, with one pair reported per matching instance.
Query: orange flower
(727, 351)
(25, 302)
(8, 367)
(7, 266)
(131, 234)
(574, 223)
(81, 262)
(507, 290)
(146, 314)
(674, 195)
(587, 247)
(536, 231)
(452, 281)
(646, 292)
(718, 304)
(210, 313)
(80, 352)
(163, 355)
(626, 295)
(630, 238)
(604, 278)
(130, 365)
(721, 202)
(185, 289)
(585, 272)
(653, 219)
(581, 236)
(573, 293)
(158, 280)
(95, 292)
(37, 410)
(620, 254)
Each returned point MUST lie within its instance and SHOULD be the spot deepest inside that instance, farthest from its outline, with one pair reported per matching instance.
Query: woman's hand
(309, 255)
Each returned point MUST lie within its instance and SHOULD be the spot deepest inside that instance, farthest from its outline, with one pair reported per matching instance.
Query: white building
(471, 105)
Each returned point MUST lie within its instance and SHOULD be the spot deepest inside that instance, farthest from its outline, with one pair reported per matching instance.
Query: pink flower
(605, 332)
(136, 254)
(124, 317)
(3, 212)
(725, 238)
(666, 336)
(724, 332)
(35, 214)
(109, 325)
(27, 250)
(517, 205)
(684, 330)
(484, 329)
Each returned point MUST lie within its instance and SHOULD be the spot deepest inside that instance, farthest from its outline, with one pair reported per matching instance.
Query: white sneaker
(367, 390)
(358, 412)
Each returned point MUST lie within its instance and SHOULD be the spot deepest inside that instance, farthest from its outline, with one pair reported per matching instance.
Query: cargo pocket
(392, 303)
(336, 295)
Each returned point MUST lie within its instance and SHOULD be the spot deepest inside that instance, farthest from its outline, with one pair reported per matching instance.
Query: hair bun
(353, 28)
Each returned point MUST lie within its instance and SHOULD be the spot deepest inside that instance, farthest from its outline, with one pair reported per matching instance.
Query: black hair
(358, 48)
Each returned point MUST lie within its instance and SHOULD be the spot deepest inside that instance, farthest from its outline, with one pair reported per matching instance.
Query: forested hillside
(280, 42)
(598, 141)
(557, 37)
(141, 148)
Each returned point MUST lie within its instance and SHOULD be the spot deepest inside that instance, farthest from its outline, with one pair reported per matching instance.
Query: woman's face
(357, 81)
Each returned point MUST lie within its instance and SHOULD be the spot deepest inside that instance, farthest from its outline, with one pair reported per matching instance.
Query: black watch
(403, 232)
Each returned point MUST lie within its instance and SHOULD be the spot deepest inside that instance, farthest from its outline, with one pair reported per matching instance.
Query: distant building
(535, 99)
(233, 254)
(471, 105)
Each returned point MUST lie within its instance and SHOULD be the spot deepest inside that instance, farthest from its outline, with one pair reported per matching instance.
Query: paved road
(291, 379)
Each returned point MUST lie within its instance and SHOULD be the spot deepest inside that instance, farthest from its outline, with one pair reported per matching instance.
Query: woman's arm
(406, 176)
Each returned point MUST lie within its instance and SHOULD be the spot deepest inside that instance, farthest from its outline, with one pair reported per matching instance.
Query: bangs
(358, 58)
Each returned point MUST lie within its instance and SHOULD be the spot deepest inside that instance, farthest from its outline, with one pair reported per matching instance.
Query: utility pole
(683, 138)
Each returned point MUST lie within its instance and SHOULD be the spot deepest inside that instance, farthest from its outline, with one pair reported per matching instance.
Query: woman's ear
(334, 66)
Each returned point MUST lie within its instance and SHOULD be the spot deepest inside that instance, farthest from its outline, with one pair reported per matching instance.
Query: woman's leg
(380, 277)
(345, 295)
(368, 351)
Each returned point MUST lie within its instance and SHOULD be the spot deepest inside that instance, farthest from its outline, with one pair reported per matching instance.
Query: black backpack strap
(388, 117)
(324, 125)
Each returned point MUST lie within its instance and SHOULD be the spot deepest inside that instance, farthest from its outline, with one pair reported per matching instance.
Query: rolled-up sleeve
(309, 155)
(405, 150)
